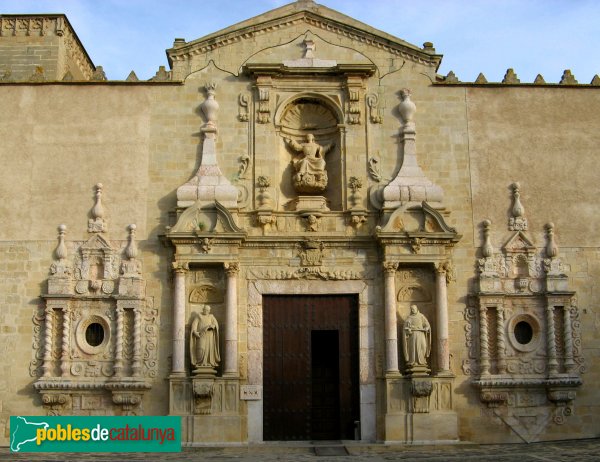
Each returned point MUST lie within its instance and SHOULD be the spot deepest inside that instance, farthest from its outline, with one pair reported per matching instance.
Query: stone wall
(142, 141)
(41, 48)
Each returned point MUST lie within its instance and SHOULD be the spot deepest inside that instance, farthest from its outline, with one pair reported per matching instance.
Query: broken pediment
(302, 16)
(206, 218)
(423, 219)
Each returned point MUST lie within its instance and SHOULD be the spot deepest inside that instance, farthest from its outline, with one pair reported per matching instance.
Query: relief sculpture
(310, 175)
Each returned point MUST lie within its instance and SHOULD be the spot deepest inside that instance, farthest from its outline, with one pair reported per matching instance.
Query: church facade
(298, 232)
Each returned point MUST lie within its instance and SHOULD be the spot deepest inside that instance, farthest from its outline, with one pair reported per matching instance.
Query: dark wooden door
(310, 367)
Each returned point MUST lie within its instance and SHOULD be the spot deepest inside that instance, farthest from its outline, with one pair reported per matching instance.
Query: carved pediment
(301, 15)
(424, 219)
(96, 242)
(519, 242)
(206, 218)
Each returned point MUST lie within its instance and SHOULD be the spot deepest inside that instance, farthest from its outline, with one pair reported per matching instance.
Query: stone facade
(474, 201)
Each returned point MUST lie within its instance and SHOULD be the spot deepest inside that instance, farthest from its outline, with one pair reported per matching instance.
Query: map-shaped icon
(23, 431)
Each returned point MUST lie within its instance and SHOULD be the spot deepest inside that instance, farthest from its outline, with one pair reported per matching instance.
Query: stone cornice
(249, 30)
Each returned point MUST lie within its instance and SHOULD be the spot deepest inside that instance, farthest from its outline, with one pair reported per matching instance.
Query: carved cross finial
(97, 224)
(551, 247)
(61, 248)
(517, 222)
(310, 45)
(487, 250)
(131, 251)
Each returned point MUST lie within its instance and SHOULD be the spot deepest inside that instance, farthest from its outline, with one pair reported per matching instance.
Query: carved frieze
(317, 273)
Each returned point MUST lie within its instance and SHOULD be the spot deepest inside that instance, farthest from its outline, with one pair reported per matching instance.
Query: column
(231, 318)
(484, 366)
(48, 328)
(180, 270)
(500, 340)
(65, 365)
(551, 340)
(119, 342)
(568, 335)
(136, 366)
(441, 318)
(391, 319)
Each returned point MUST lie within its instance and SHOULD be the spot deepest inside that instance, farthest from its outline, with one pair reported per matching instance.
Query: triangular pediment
(96, 242)
(518, 242)
(317, 18)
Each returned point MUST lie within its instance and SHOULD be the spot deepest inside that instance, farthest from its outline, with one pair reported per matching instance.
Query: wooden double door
(310, 367)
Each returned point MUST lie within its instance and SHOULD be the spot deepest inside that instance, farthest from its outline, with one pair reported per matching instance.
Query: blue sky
(531, 36)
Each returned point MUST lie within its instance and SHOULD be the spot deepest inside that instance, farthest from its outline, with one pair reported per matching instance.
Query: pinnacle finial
(487, 250)
(551, 247)
(98, 209)
(131, 251)
(97, 224)
(517, 222)
(61, 248)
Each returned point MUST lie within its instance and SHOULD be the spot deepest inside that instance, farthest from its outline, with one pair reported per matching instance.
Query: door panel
(310, 383)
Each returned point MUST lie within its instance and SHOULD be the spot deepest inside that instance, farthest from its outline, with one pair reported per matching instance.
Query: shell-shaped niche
(307, 114)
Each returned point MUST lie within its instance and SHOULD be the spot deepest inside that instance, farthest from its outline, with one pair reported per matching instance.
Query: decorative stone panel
(96, 335)
(523, 330)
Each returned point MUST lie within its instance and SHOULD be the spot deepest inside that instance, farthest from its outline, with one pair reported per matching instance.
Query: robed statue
(416, 341)
(310, 175)
(204, 341)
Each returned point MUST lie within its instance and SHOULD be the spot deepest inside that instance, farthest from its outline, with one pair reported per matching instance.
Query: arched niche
(321, 116)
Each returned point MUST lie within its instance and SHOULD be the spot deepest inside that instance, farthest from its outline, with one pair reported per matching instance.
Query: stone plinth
(311, 203)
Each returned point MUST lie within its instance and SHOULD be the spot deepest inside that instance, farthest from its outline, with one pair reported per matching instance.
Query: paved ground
(576, 451)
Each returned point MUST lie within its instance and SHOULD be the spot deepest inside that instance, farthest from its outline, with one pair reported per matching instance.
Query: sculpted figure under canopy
(310, 175)
(416, 340)
(204, 340)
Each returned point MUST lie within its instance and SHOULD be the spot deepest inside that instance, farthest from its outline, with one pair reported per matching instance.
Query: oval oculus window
(94, 334)
(523, 332)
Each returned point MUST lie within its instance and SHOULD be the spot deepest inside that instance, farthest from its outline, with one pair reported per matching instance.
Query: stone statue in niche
(310, 175)
(204, 343)
(416, 341)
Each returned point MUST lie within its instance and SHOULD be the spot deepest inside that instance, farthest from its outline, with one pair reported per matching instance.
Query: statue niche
(310, 132)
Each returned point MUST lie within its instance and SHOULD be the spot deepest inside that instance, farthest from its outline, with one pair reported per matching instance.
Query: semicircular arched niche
(316, 115)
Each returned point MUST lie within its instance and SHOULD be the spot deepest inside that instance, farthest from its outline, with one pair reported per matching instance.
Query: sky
(532, 36)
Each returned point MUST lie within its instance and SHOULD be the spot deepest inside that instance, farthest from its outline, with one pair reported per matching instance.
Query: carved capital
(232, 268)
(447, 268)
(390, 267)
(180, 266)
